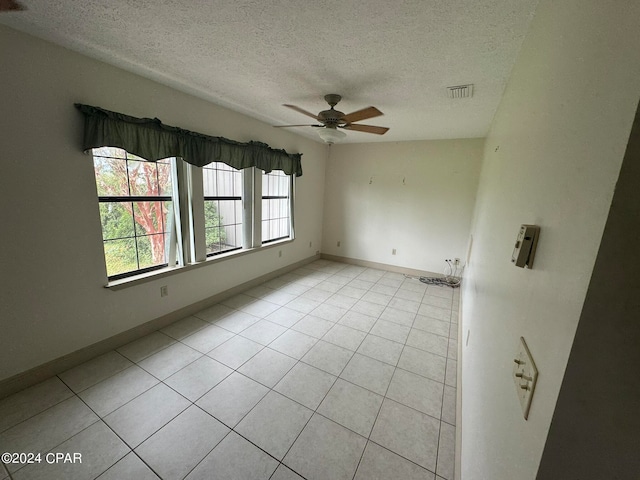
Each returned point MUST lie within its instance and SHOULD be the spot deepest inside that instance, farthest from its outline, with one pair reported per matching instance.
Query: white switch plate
(525, 376)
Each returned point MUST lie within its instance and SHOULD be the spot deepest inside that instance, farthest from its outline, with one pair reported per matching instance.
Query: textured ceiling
(253, 56)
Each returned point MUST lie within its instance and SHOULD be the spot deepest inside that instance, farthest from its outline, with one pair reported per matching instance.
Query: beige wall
(415, 197)
(552, 158)
(52, 299)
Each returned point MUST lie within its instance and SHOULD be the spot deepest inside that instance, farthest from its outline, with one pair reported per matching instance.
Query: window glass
(222, 208)
(276, 206)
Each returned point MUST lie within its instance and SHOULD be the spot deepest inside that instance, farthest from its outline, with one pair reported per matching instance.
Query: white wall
(52, 299)
(416, 197)
(552, 159)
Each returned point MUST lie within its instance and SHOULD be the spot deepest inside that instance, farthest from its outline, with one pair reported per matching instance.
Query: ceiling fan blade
(302, 111)
(367, 128)
(10, 5)
(304, 125)
(363, 114)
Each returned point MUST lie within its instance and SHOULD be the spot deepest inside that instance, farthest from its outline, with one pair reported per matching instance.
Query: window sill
(167, 272)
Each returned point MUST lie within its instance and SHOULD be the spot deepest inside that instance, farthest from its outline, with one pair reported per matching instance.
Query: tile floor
(330, 372)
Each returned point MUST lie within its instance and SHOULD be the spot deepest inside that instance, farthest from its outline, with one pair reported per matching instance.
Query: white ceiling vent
(460, 91)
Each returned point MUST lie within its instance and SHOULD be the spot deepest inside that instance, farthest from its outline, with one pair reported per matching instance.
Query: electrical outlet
(338, 243)
(164, 291)
(393, 252)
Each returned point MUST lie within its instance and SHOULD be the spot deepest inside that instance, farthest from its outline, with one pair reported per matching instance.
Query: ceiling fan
(331, 120)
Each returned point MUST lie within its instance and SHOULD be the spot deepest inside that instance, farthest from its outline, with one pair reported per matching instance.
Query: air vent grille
(460, 91)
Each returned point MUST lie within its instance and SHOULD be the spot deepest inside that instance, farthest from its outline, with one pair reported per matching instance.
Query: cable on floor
(451, 277)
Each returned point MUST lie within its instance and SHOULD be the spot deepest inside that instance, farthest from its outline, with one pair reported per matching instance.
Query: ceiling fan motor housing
(331, 118)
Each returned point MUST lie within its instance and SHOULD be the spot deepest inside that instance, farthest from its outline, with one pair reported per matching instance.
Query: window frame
(170, 227)
(289, 197)
(218, 198)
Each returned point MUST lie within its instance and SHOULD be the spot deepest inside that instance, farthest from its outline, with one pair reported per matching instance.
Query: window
(276, 206)
(136, 211)
(222, 208)
(146, 222)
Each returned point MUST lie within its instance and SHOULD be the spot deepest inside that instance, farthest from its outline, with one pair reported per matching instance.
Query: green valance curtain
(150, 139)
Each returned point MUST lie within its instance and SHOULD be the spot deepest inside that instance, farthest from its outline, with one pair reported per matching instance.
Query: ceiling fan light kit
(331, 135)
(331, 120)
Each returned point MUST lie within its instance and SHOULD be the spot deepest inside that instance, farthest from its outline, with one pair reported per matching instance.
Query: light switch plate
(525, 376)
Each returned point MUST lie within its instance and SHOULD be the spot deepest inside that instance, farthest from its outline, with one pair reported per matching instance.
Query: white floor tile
(185, 327)
(238, 301)
(236, 322)
(263, 332)
(47, 429)
(313, 326)
(214, 313)
(378, 463)
(368, 308)
(328, 357)
(285, 316)
(371, 374)
(436, 301)
(386, 351)
(407, 432)
(449, 405)
(341, 301)
(352, 292)
(446, 452)
(236, 351)
(168, 361)
(94, 371)
(129, 467)
(451, 373)
(146, 346)
(423, 363)
(357, 320)
(431, 325)
(428, 342)
(304, 305)
(260, 308)
(400, 317)
(207, 339)
(110, 394)
(416, 392)
(99, 449)
(390, 331)
(325, 450)
(232, 399)
(305, 384)
(235, 459)
(198, 378)
(284, 473)
(329, 312)
(351, 406)
(181, 444)
(404, 304)
(435, 312)
(274, 424)
(146, 414)
(344, 337)
(292, 343)
(27, 403)
(267, 367)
